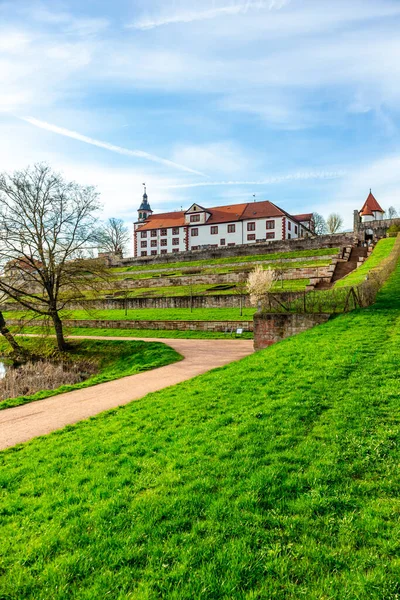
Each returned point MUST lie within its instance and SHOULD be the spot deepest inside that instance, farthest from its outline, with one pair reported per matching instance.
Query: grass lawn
(274, 477)
(114, 359)
(199, 289)
(381, 251)
(155, 314)
(148, 333)
(230, 260)
(132, 275)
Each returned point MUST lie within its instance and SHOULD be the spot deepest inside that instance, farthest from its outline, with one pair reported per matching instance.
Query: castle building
(371, 210)
(222, 226)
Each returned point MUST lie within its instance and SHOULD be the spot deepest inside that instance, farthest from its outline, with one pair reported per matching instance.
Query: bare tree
(391, 212)
(113, 236)
(334, 223)
(259, 283)
(319, 224)
(6, 333)
(47, 230)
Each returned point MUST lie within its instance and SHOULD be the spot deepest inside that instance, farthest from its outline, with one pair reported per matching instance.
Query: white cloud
(225, 157)
(297, 176)
(189, 15)
(111, 147)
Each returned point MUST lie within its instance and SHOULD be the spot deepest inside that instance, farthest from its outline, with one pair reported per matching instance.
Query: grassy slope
(275, 477)
(230, 260)
(381, 251)
(115, 359)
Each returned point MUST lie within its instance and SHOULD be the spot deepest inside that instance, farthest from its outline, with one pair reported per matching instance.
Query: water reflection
(3, 369)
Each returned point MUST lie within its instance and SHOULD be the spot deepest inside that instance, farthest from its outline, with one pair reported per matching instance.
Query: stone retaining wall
(270, 328)
(220, 326)
(217, 278)
(227, 301)
(320, 241)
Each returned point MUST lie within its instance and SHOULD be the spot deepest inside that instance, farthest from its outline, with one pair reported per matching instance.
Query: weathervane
(144, 185)
(254, 196)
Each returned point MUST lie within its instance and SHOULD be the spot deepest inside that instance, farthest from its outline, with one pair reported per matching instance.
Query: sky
(208, 101)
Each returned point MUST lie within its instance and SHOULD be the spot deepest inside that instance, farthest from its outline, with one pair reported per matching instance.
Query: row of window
(154, 252)
(214, 228)
(270, 235)
(163, 232)
(153, 243)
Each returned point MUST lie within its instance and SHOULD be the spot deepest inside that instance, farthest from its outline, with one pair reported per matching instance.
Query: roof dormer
(196, 214)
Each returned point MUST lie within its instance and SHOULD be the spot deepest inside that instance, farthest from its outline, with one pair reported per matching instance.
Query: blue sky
(296, 101)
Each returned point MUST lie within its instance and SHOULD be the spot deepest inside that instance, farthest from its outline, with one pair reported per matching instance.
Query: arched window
(140, 216)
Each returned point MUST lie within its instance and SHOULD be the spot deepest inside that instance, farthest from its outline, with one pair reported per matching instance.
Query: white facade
(200, 228)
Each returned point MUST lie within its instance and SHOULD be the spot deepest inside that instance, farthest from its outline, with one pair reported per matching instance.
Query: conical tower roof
(371, 205)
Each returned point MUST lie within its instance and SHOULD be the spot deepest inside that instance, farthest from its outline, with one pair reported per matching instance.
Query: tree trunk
(58, 328)
(9, 337)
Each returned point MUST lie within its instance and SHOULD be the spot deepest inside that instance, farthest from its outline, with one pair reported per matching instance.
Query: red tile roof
(219, 214)
(304, 217)
(371, 205)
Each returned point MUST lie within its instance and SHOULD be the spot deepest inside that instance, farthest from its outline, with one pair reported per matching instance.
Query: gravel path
(25, 422)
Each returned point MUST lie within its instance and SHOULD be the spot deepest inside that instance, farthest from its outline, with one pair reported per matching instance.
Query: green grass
(229, 260)
(132, 275)
(144, 333)
(274, 477)
(158, 314)
(114, 360)
(200, 289)
(379, 253)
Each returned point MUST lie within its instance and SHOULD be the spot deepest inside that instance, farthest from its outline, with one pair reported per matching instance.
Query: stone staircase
(347, 261)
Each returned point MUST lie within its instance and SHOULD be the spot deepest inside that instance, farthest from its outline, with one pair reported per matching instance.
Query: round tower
(144, 211)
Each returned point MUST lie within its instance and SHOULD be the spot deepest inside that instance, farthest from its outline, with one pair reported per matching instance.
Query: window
(270, 235)
(163, 242)
(153, 233)
(143, 234)
(251, 236)
(194, 218)
(163, 232)
(251, 227)
(270, 225)
(194, 232)
(153, 243)
(232, 244)
(289, 225)
(175, 231)
(295, 228)
(163, 252)
(143, 253)
(214, 230)
(213, 245)
(175, 249)
(222, 242)
(143, 244)
(154, 252)
(289, 237)
(175, 241)
(195, 248)
(231, 228)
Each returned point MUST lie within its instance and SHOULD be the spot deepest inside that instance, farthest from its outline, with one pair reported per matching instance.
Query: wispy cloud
(111, 147)
(299, 176)
(238, 8)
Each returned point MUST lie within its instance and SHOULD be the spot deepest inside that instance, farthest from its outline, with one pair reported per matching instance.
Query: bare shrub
(33, 377)
(259, 283)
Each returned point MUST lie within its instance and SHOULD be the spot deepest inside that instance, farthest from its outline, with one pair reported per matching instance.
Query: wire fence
(337, 300)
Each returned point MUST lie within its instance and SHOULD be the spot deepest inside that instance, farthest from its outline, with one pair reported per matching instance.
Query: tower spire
(144, 211)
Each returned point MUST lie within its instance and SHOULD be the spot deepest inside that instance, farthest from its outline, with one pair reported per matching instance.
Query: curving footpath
(25, 422)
